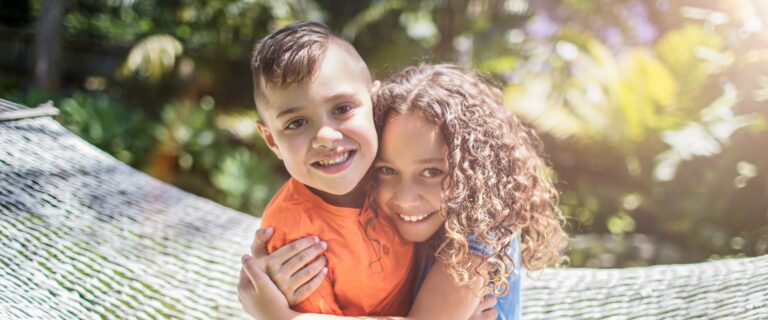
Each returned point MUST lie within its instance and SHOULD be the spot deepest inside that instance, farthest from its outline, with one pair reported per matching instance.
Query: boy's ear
(268, 138)
(376, 85)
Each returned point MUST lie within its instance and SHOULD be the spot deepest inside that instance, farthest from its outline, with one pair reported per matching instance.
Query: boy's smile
(335, 162)
(323, 128)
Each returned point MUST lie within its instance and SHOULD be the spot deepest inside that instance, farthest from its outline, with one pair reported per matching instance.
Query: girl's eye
(385, 171)
(295, 124)
(342, 109)
(431, 173)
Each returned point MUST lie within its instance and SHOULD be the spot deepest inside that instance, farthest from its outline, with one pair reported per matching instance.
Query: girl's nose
(406, 198)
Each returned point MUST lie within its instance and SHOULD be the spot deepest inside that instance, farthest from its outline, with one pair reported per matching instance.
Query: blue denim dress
(508, 305)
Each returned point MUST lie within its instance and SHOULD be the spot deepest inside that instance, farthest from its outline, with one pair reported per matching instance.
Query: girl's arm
(439, 297)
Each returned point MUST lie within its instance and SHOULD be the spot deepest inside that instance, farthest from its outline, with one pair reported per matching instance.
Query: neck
(353, 199)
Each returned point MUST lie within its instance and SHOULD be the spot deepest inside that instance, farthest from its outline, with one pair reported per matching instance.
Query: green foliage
(108, 124)
(653, 114)
(217, 152)
(152, 57)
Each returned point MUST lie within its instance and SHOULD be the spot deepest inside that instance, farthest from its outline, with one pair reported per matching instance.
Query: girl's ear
(376, 86)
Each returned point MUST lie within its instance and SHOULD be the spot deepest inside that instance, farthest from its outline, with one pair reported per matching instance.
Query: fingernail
(244, 258)
(316, 238)
(268, 231)
(325, 270)
(324, 245)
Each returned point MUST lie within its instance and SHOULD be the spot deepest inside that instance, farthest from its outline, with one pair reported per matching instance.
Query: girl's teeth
(337, 160)
(414, 218)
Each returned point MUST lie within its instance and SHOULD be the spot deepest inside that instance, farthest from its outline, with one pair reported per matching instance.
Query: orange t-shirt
(359, 282)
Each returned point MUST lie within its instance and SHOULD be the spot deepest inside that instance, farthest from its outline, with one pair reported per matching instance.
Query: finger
(286, 252)
(246, 292)
(308, 272)
(489, 314)
(288, 278)
(259, 246)
(257, 276)
(301, 259)
(305, 290)
(244, 283)
(488, 302)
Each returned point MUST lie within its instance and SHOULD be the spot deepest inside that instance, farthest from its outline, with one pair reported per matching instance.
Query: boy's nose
(327, 137)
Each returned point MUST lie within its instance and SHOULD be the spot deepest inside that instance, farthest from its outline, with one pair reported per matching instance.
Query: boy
(313, 93)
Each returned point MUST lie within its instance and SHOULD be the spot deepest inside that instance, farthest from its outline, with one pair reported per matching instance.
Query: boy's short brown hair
(289, 55)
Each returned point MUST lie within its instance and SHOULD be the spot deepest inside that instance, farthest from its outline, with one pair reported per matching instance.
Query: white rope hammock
(83, 236)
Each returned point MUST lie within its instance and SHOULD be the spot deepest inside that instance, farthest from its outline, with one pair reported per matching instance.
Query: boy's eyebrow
(335, 96)
(341, 94)
(287, 111)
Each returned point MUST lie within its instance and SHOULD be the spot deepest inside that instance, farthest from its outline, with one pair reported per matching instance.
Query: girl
(458, 173)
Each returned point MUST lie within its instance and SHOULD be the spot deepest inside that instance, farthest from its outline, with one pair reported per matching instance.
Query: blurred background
(654, 113)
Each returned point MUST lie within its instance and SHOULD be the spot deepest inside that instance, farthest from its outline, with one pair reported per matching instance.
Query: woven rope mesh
(83, 236)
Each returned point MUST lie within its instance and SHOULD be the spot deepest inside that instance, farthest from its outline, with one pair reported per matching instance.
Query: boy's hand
(291, 267)
(485, 310)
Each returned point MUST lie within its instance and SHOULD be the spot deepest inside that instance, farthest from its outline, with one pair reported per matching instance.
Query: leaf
(371, 14)
(152, 57)
(682, 50)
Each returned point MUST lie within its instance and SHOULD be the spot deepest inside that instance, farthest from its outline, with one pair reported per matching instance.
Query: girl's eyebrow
(430, 160)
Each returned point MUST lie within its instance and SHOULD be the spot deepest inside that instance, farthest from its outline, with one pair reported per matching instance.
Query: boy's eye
(385, 171)
(342, 109)
(295, 124)
(431, 173)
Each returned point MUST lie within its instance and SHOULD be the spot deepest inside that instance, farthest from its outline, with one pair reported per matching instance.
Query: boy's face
(323, 128)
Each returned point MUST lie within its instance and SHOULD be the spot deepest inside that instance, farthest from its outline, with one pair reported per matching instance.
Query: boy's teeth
(414, 218)
(337, 160)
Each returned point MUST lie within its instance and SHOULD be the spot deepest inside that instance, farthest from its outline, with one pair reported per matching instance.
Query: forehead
(339, 73)
(410, 137)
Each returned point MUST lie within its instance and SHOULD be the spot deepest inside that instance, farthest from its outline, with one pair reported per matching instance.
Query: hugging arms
(270, 284)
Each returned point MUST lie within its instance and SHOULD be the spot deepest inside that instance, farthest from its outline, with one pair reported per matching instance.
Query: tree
(48, 42)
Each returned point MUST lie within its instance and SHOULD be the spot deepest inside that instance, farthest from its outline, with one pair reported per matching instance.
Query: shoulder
(286, 207)
(289, 216)
(483, 250)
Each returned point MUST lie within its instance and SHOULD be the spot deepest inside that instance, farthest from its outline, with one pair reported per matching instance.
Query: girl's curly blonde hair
(497, 182)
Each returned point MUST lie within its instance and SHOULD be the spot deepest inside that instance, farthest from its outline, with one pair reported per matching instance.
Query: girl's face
(410, 171)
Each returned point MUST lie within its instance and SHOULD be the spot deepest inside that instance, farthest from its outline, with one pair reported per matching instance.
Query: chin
(415, 236)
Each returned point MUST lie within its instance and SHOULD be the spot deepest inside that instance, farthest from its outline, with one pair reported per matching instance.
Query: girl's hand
(259, 295)
(291, 267)
(485, 310)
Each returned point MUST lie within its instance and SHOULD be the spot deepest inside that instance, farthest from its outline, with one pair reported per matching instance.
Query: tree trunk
(48, 42)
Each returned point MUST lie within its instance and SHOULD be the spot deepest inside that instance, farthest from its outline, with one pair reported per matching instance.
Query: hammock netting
(84, 236)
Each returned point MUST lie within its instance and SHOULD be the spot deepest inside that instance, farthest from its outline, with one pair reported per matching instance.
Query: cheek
(383, 194)
(361, 128)
(300, 143)
(433, 192)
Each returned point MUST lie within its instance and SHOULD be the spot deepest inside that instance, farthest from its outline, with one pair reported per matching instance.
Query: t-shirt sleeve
(509, 306)
(290, 223)
(478, 248)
